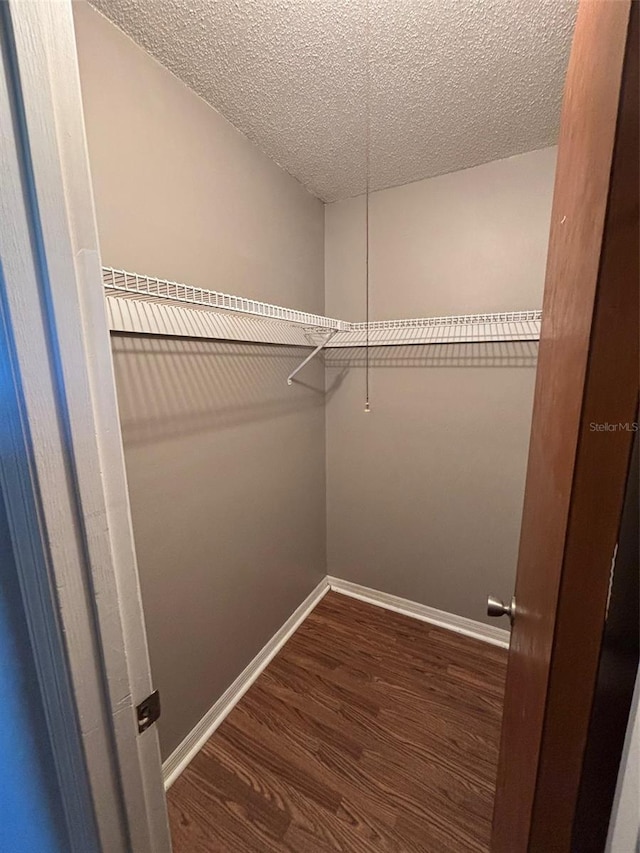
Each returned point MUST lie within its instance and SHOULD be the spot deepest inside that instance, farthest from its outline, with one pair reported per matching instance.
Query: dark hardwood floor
(369, 731)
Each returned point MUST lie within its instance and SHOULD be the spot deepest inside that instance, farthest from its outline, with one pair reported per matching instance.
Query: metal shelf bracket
(311, 355)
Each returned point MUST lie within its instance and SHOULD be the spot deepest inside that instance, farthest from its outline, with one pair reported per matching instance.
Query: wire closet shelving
(143, 304)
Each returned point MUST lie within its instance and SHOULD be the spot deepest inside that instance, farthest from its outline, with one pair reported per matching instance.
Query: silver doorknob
(496, 607)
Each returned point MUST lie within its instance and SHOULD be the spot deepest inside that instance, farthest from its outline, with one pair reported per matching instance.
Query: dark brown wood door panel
(587, 375)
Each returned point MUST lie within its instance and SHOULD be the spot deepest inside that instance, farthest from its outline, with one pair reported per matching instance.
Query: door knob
(496, 607)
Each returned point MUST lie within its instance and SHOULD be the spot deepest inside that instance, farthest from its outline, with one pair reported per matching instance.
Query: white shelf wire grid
(484, 354)
(130, 284)
(449, 320)
(460, 328)
(164, 305)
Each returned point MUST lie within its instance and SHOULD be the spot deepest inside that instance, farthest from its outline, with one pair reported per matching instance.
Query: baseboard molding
(197, 737)
(468, 627)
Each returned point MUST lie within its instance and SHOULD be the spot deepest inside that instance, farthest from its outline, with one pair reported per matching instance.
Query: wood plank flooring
(369, 731)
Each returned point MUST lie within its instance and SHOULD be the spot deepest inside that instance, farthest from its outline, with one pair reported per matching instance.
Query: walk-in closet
(323, 234)
(268, 179)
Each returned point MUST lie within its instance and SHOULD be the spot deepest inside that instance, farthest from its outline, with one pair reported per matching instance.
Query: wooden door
(586, 386)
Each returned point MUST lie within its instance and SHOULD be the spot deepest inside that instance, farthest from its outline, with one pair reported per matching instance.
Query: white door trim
(61, 371)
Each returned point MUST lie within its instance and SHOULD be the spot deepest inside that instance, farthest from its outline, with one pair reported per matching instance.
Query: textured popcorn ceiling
(453, 83)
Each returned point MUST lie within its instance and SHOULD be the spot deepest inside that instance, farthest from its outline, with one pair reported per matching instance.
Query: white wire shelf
(461, 328)
(142, 304)
(128, 284)
(484, 354)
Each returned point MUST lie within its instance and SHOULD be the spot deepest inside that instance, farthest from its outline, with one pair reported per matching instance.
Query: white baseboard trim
(468, 627)
(197, 737)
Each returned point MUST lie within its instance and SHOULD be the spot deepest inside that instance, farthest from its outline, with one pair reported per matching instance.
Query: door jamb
(63, 474)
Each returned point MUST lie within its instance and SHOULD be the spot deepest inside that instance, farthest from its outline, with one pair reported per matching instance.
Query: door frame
(62, 465)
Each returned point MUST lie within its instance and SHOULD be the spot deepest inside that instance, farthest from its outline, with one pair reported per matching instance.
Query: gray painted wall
(179, 192)
(424, 494)
(225, 462)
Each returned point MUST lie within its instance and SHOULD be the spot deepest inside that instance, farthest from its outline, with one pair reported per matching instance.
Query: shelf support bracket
(311, 355)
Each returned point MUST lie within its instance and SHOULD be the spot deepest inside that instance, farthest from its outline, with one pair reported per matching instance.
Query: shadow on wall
(424, 495)
(226, 473)
(494, 354)
(170, 387)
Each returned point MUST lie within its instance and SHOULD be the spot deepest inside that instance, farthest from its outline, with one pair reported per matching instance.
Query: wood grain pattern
(368, 731)
(587, 372)
(599, 480)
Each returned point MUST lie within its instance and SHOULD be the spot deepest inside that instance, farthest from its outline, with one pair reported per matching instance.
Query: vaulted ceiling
(436, 85)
